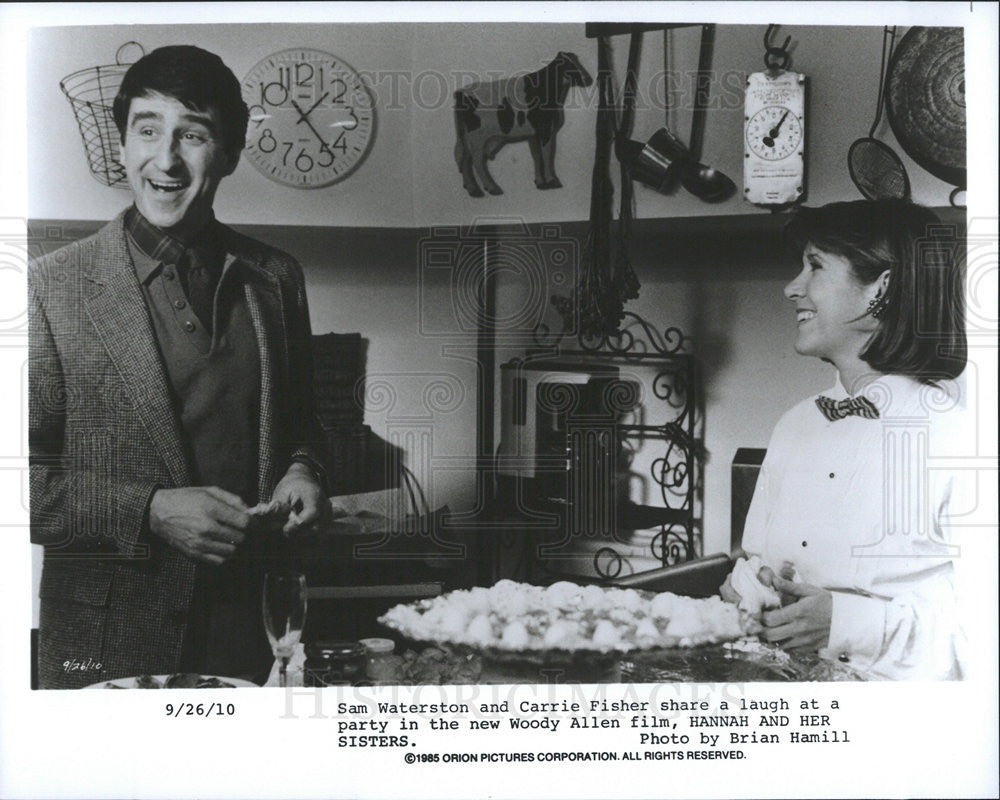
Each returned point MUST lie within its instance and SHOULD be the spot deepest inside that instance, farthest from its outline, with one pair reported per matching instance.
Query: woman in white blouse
(851, 518)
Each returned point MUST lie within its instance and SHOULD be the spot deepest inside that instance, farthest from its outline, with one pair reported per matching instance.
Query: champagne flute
(284, 615)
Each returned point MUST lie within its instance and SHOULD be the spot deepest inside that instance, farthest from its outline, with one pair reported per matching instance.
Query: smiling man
(170, 392)
(174, 158)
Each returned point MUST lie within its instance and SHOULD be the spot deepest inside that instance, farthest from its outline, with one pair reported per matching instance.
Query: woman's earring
(876, 307)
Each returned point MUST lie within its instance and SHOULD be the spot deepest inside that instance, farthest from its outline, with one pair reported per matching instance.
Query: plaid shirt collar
(161, 248)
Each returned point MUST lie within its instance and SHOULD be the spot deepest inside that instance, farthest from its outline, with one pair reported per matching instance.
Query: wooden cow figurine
(489, 115)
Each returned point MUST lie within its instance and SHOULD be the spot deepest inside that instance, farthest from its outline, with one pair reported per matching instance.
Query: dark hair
(921, 329)
(196, 78)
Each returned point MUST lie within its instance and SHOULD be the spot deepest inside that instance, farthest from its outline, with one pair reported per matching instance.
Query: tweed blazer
(104, 435)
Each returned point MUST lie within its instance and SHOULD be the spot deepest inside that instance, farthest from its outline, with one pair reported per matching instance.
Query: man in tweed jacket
(170, 390)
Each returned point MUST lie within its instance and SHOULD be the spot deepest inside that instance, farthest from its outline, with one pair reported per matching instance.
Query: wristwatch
(305, 458)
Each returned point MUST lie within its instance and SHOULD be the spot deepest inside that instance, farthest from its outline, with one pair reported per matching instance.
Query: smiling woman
(889, 274)
(831, 309)
(853, 526)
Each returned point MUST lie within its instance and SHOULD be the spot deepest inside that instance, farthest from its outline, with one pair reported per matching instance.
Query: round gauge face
(312, 120)
(774, 133)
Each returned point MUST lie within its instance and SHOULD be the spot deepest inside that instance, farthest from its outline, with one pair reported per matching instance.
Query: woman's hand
(805, 621)
(767, 577)
(727, 593)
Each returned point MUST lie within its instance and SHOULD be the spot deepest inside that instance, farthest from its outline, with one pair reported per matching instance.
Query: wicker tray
(737, 662)
(526, 666)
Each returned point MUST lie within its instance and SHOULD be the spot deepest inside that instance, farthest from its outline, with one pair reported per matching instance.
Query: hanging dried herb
(607, 280)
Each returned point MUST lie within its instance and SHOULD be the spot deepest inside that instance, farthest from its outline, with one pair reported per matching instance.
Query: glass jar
(333, 663)
(379, 666)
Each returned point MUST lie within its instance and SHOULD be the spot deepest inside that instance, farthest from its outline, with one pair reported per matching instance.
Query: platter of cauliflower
(520, 617)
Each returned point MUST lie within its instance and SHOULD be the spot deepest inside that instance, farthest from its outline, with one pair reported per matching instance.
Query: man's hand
(206, 524)
(804, 622)
(301, 491)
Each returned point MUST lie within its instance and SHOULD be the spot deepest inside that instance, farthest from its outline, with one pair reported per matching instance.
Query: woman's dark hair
(196, 78)
(921, 316)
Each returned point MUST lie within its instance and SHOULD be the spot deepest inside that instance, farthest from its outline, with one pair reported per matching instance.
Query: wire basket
(91, 92)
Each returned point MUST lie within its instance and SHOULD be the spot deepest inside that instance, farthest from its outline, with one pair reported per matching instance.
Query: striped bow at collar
(859, 406)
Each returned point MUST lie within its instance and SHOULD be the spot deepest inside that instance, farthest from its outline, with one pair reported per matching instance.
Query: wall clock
(774, 137)
(312, 120)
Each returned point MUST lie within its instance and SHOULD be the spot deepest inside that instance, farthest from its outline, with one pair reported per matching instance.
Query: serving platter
(682, 640)
(744, 660)
(523, 666)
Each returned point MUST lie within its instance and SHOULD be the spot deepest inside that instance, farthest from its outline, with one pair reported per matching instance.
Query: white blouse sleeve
(918, 633)
(911, 636)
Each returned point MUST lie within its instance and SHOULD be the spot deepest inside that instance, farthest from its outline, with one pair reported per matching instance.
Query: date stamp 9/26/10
(82, 665)
(200, 710)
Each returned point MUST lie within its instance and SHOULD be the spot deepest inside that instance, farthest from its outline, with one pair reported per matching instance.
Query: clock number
(307, 80)
(338, 93)
(350, 110)
(288, 149)
(339, 143)
(257, 115)
(303, 156)
(327, 151)
(267, 136)
(268, 92)
(285, 77)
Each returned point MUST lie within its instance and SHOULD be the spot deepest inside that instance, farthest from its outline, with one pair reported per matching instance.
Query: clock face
(774, 133)
(312, 120)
